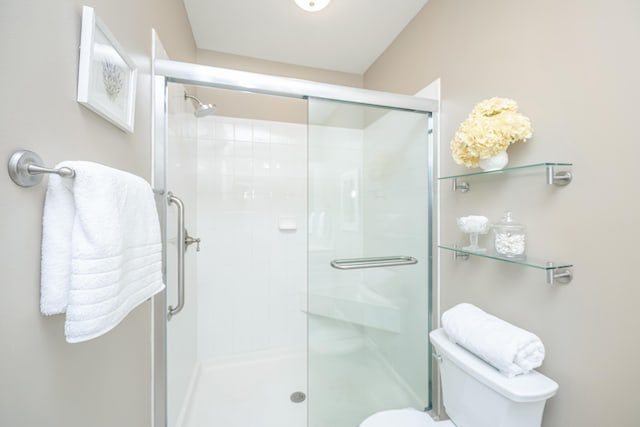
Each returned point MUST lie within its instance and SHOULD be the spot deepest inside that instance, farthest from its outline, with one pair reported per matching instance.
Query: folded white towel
(510, 349)
(101, 248)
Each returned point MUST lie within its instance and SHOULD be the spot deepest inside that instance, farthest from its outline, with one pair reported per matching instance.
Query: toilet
(475, 394)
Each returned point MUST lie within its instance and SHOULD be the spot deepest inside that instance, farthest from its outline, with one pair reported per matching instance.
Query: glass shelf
(553, 176)
(506, 170)
(556, 272)
(528, 262)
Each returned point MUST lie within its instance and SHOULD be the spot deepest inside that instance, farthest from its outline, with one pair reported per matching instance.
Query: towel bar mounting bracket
(25, 169)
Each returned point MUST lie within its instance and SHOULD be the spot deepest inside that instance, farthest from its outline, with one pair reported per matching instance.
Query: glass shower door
(236, 353)
(368, 180)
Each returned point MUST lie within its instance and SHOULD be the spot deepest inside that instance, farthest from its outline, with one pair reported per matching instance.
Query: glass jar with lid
(509, 237)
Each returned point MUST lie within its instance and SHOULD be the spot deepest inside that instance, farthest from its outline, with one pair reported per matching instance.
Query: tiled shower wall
(252, 220)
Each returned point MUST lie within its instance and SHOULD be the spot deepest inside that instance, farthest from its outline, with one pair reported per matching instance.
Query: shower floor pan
(257, 393)
(249, 391)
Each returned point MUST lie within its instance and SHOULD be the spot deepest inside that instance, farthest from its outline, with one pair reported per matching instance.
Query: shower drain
(298, 396)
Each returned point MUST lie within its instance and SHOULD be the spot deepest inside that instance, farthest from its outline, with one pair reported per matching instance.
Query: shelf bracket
(559, 276)
(461, 186)
(558, 178)
(457, 255)
(556, 275)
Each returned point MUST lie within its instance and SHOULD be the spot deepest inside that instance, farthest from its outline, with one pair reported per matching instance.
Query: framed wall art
(106, 75)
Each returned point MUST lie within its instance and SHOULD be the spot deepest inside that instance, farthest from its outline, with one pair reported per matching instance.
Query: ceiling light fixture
(312, 5)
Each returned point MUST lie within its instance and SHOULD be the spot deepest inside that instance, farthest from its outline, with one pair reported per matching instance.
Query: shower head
(202, 109)
(205, 110)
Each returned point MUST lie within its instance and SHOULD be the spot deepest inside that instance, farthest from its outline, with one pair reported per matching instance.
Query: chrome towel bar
(375, 262)
(25, 169)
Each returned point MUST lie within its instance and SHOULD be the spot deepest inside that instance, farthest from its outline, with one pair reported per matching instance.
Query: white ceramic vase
(496, 162)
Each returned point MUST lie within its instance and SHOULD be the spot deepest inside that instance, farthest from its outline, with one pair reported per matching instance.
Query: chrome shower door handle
(375, 262)
(171, 199)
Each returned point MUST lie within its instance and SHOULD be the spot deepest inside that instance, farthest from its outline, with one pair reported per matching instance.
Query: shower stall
(297, 230)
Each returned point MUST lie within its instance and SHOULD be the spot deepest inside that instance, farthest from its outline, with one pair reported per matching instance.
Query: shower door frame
(166, 71)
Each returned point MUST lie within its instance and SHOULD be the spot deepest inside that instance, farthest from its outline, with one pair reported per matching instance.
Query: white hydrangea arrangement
(492, 126)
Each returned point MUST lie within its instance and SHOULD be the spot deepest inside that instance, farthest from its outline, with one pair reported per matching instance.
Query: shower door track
(167, 71)
(204, 75)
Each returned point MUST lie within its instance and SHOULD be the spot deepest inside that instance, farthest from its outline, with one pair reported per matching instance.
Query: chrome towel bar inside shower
(374, 262)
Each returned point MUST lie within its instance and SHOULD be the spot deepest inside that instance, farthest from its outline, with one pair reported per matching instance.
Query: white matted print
(106, 75)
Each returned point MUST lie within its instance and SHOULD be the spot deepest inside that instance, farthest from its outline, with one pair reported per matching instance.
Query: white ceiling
(349, 35)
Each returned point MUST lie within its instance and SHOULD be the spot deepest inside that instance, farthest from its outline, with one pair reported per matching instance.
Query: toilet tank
(476, 394)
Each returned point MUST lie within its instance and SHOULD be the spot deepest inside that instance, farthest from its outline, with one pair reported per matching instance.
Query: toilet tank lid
(529, 387)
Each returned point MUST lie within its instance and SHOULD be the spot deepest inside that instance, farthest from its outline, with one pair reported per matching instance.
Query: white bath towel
(101, 248)
(510, 349)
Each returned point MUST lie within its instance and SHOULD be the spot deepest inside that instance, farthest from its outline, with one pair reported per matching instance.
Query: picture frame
(107, 77)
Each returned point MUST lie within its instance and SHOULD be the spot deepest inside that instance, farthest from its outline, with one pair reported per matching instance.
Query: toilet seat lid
(408, 417)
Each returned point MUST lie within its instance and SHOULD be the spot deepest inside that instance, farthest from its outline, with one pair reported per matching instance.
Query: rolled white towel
(509, 349)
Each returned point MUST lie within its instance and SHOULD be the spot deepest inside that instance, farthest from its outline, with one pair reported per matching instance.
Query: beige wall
(45, 381)
(574, 69)
(255, 65)
(265, 107)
